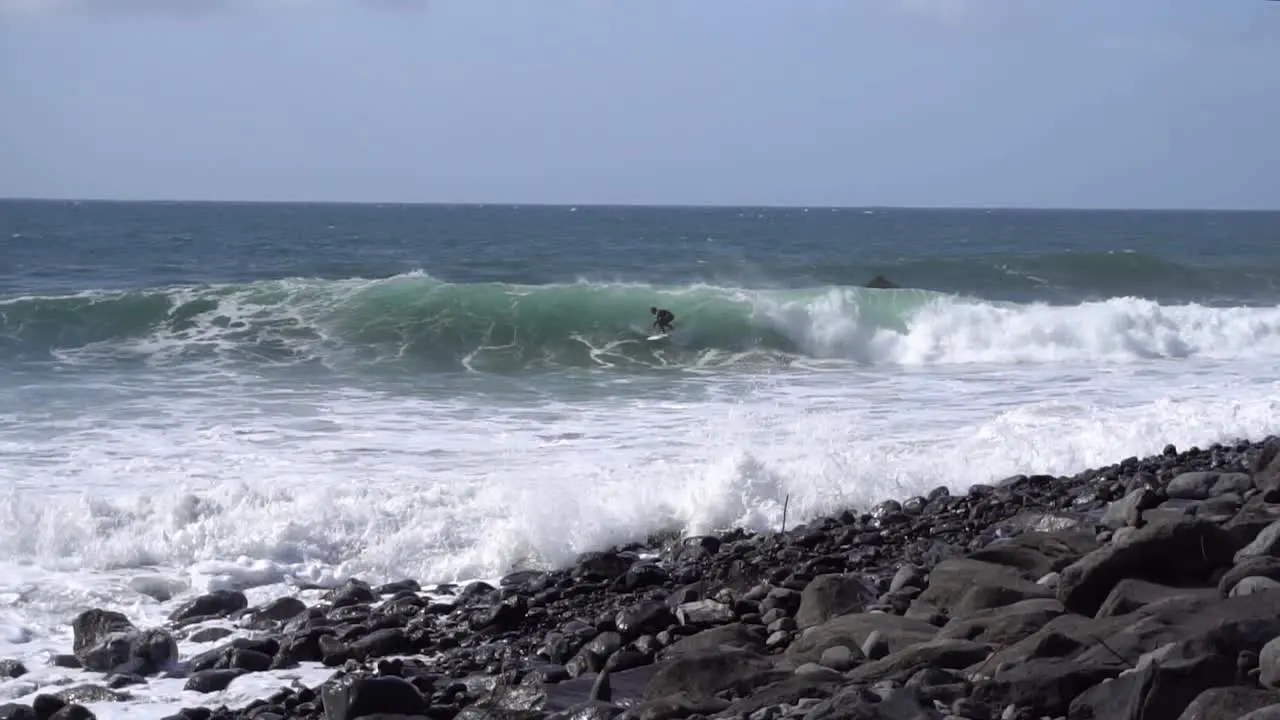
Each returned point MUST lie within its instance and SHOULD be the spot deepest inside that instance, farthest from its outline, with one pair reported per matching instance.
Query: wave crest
(421, 323)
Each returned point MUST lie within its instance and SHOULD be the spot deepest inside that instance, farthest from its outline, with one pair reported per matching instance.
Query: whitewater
(270, 420)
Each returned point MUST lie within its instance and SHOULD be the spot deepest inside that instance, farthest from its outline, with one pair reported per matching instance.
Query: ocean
(261, 396)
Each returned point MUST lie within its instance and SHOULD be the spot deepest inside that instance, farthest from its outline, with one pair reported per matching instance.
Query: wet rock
(105, 641)
(209, 634)
(208, 681)
(219, 603)
(89, 693)
(704, 612)
(17, 711)
(649, 617)
(351, 592)
(280, 609)
(349, 697)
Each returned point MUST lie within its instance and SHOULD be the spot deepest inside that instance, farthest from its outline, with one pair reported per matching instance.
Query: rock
(1004, 625)
(1254, 584)
(1179, 553)
(605, 565)
(1266, 544)
(89, 693)
(934, 654)
(908, 576)
(219, 603)
(107, 642)
(1237, 483)
(831, 595)
(648, 617)
(1036, 554)
(840, 657)
(1158, 688)
(92, 628)
(854, 630)
(12, 668)
(1045, 686)
(17, 711)
(209, 634)
(1228, 703)
(678, 705)
(791, 691)
(1192, 485)
(965, 587)
(1264, 566)
(736, 636)
(707, 672)
(1269, 664)
(348, 698)
(1129, 594)
(280, 609)
(1128, 510)
(351, 592)
(208, 681)
(704, 612)
(1270, 712)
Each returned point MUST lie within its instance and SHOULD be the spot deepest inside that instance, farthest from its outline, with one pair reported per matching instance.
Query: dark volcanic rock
(207, 681)
(350, 697)
(219, 603)
(105, 641)
(1228, 703)
(963, 587)
(1177, 553)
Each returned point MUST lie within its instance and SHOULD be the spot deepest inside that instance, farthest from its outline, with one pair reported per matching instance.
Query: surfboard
(659, 336)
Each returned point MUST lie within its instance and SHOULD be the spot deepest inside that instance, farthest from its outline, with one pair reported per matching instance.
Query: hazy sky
(1098, 103)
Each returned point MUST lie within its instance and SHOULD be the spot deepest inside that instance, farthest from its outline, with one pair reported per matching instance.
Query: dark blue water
(1023, 256)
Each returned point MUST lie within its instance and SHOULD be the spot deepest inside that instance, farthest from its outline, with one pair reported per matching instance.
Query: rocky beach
(1145, 589)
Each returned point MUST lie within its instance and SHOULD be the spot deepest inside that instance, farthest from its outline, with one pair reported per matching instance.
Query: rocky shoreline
(1146, 589)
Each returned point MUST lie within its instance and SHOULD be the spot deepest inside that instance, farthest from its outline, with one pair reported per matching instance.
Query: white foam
(955, 331)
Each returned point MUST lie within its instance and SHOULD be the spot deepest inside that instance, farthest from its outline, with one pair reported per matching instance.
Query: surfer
(664, 319)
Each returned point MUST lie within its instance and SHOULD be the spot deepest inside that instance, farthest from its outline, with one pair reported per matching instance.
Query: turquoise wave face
(443, 326)
(413, 323)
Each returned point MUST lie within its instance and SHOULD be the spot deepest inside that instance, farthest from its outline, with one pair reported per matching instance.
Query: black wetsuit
(664, 320)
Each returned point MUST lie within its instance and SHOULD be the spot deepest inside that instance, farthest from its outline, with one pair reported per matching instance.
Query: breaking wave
(424, 324)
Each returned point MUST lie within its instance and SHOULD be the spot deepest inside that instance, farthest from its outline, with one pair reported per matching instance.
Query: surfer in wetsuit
(664, 319)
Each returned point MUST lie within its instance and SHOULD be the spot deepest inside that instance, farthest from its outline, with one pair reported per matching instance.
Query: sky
(987, 103)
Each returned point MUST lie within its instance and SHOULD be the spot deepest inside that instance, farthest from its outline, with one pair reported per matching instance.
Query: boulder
(1174, 553)
(831, 595)
(853, 631)
(963, 587)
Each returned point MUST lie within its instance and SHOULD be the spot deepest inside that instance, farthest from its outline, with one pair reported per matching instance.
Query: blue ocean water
(198, 395)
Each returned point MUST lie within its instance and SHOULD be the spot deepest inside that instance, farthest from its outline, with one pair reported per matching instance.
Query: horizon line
(634, 205)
